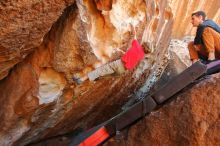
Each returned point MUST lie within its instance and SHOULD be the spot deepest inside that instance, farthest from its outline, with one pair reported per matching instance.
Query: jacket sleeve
(208, 39)
(198, 39)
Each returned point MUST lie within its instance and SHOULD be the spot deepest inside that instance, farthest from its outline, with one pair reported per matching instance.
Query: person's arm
(209, 43)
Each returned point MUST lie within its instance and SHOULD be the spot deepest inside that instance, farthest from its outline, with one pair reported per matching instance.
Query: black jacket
(207, 23)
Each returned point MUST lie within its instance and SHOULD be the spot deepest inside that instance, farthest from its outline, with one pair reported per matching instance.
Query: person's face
(196, 20)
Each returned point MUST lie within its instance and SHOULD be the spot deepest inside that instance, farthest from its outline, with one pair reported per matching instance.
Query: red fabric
(96, 138)
(133, 55)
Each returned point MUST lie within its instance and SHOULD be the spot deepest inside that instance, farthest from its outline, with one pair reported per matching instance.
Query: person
(128, 61)
(206, 45)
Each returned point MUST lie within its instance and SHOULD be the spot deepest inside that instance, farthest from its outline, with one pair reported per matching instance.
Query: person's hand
(211, 56)
(194, 61)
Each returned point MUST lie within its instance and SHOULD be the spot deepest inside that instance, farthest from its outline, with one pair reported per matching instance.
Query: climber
(129, 61)
(206, 45)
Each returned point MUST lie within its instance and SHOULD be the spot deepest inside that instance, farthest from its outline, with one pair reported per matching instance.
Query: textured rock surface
(178, 49)
(54, 41)
(191, 119)
(23, 25)
(82, 38)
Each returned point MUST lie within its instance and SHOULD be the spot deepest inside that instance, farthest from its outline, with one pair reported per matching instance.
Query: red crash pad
(97, 138)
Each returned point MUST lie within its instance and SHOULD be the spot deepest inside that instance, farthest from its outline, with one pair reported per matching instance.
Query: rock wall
(45, 44)
(39, 96)
(23, 25)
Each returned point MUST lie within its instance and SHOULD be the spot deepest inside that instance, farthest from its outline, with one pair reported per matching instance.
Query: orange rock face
(44, 44)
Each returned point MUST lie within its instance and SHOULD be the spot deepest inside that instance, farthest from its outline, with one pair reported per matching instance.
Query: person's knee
(190, 44)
